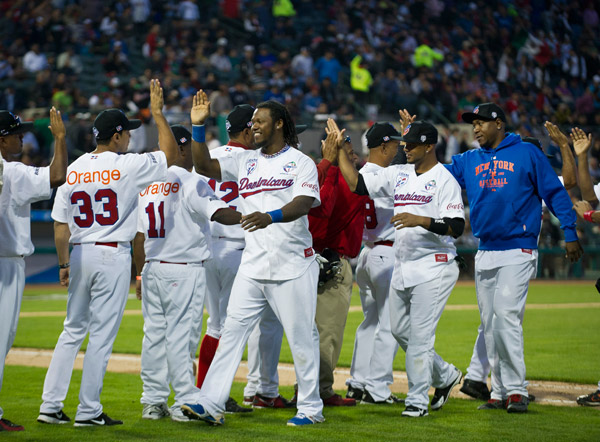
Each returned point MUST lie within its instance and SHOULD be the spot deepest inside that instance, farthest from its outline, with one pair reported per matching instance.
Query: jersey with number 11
(99, 199)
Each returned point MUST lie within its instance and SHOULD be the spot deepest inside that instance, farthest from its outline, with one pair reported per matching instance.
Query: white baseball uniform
(99, 204)
(374, 345)
(425, 272)
(278, 268)
(22, 186)
(228, 243)
(173, 215)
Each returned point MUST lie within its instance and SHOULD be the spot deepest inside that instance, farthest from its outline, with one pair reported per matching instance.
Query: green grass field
(560, 344)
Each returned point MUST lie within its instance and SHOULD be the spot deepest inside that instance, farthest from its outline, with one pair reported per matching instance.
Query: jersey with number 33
(100, 197)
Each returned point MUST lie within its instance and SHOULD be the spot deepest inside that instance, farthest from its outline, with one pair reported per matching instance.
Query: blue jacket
(505, 187)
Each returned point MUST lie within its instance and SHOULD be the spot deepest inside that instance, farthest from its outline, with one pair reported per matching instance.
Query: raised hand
(581, 141)
(556, 135)
(57, 127)
(329, 146)
(200, 108)
(332, 127)
(405, 119)
(156, 97)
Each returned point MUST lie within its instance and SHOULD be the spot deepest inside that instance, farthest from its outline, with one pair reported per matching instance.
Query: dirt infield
(547, 393)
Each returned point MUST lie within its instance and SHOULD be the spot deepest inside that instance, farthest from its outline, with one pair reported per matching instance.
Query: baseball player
(227, 245)
(505, 181)
(171, 253)
(95, 211)
(475, 382)
(278, 185)
(374, 345)
(20, 185)
(428, 214)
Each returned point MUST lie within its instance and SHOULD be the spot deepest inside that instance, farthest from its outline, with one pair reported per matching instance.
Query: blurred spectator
(34, 61)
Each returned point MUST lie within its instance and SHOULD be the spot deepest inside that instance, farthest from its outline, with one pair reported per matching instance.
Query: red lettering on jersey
(441, 257)
(528, 251)
(97, 176)
(308, 252)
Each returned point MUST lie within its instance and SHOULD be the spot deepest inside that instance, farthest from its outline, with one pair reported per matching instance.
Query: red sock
(207, 353)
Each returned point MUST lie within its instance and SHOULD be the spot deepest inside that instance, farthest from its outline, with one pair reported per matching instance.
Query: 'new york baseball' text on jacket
(505, 187)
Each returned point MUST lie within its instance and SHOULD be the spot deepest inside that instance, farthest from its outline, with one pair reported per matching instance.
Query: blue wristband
(276, 215)
(198, 133)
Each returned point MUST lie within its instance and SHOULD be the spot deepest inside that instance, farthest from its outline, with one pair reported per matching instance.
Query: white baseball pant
(220, 274)
(374, 345)
(415, 313)
(12, 284)
(264, 347)
(169, 294)
(294, 303)
(501, 295)
(98, 290)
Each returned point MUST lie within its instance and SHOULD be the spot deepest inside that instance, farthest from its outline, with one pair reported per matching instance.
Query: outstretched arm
(166, 139)
(58, 166)
(227, 216)
(203, 164)
(582, 144)
(568, 169)
(293, 210)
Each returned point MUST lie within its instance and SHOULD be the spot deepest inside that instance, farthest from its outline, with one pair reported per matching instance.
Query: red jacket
(339, 221)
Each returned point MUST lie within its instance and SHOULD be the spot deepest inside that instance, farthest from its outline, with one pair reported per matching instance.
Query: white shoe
(178, 416)
(155, 411)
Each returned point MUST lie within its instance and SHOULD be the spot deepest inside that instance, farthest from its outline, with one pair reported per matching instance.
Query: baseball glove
(329, 266)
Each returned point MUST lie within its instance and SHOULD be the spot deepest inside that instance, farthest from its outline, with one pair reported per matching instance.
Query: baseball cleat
(6, 425)
(231, 406)
(178, 416)
(155, 411)
(261, 401)
(197, 412)
(367, 399)
(493, 404)
(412, 411)
(441, 395)
(337, 401)
(517, 403)
(590, 400)
(53, 418)
(98, 421)
(301, 419)
(475, 389)
(354, 393)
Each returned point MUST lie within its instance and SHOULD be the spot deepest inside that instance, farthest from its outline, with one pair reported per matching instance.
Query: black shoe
(102, 420)
(354, 393)
(412, 411)
(441, 395)
(368, 399)
(517, 403)
(590, 400)
(231, 406)
(53, 418)
(476, 389)
(531, 397)
(493, 404)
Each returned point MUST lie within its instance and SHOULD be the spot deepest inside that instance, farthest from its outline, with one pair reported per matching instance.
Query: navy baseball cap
(420, 132)
(486, 112)
(11, 124)
(381, 133)
(239, 118)
(182, 135)
(112, 121)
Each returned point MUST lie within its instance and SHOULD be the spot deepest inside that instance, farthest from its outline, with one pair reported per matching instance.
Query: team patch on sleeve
(441, 257)
(309, 252)
(312, 186)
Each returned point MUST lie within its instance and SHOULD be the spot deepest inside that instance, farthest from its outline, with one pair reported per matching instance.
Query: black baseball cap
(239, 118)
(182, 135)
(111, 121)
(11, 124)
(381, 133)
(486, 112)
(420, 132)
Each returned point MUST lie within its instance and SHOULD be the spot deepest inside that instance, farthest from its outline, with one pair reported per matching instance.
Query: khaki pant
(333, 303)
